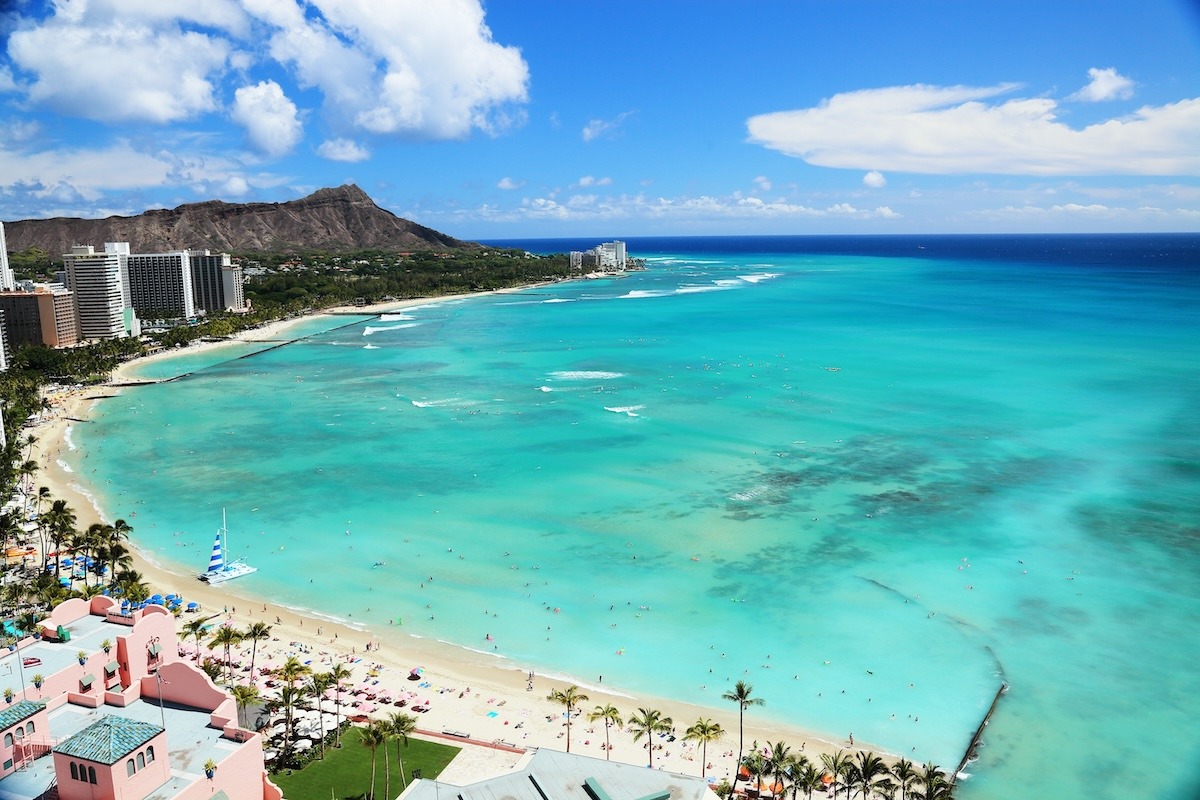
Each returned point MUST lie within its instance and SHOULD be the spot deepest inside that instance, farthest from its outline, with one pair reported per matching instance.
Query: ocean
(876, 477)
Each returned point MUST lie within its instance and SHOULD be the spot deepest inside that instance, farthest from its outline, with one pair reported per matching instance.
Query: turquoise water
(868, 485)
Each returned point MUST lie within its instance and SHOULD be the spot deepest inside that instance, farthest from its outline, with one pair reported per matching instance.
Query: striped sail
(216, 562)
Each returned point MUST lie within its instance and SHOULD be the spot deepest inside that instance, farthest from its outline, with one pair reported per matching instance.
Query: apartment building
(40, 314)
(100, 284)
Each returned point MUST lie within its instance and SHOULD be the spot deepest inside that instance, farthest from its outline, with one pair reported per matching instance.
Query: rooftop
(109, 739)
(190, 741)
(554, 775)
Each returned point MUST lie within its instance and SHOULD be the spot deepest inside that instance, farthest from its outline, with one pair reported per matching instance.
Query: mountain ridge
(337, 219)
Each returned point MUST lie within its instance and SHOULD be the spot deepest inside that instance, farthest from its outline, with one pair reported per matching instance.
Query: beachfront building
(41, 313)
(160, 284)
(568, 776)
(217, 283)
(101, 286)
(103, 692)
(7, 280)
(608, 256)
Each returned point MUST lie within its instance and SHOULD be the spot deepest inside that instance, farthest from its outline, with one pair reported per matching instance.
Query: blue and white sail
(219, 570)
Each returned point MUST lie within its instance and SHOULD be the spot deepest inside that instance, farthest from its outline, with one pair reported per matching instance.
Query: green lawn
(345, 774)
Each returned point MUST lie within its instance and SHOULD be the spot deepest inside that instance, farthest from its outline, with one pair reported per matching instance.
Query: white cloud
(401, 68)
(269, 118)
(343, 150)
(959, 129)
(874, 179)
(1106, 84)
(508, 183)
(763, 183)
(591, 180)
(236, 186)
(597, 128)
(91, 64)
(89, 172)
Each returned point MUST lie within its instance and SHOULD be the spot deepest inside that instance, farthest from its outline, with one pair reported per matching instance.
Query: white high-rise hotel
(101, 288)
(609, 255)
(7, 281)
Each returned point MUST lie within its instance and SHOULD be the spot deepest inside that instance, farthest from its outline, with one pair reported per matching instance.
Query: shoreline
(469, 691)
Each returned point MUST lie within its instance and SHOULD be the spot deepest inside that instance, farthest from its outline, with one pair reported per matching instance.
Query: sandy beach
(467, 692)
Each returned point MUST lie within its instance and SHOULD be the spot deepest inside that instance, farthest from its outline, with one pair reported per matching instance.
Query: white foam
(544, 389)
(394, 317)
(68, 438)
(626, 410)
(758, 277)
(641, 294)
(369, 330)
(370, 347)
(449, 402)
(560, 300)
(698, 289)
(63, 465)
(585, 375)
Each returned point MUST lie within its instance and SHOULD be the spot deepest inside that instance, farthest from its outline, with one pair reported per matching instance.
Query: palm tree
(906, 775)
(570, 698)
(778, 763)
(934, 783)
(755, 764)
(401, 726)
(226, 636)
(806, 777)
(836, 764)
(647, 722)
(868, 770)
(256, 632)
(611, 717)
(290, 698)
(244, 695)
(339, 673)
(196, 628)
(373, 736)
(704, 731)
(742, 694)
(120, 560)
(292, 670)
(318, 682)
(60, 526)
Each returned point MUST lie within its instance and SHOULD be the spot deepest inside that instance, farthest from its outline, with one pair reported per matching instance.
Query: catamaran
(219, 570)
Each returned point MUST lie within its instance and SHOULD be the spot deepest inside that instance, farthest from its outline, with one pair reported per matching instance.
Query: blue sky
(527, 118)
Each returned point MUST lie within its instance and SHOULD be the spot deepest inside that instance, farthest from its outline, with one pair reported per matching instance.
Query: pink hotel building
(131, 722)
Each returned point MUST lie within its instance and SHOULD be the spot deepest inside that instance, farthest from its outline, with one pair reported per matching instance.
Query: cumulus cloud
(964, 129)
(1106, 84)
(874, 179)
(88, 63)
(763, 183)
(269, 118)
(598, 128)
(508, 183)
(236, 186)
(400, 68)
(386, 68)
(343, 150)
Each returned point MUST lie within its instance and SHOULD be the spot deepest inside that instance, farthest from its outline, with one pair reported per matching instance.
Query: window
(130, 768)
(141, 760)
(8, 740)
(29, 728)
(150, 754)
(74, 771)
(91, 774)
